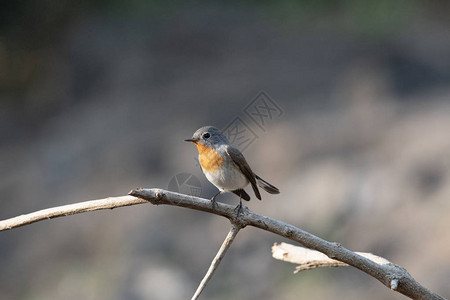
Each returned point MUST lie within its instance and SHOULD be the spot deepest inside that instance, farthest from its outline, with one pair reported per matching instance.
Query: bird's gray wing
(240, 161)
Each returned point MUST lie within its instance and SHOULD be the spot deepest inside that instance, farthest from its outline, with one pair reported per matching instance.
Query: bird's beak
(191, 140)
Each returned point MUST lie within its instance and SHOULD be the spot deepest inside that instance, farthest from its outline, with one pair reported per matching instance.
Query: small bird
(225, 166)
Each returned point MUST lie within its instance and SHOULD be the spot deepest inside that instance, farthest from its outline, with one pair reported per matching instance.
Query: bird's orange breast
(210, 159)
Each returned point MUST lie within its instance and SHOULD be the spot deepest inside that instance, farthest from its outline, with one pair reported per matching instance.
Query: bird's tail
(267, 186)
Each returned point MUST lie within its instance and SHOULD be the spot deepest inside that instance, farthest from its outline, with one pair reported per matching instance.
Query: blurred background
(96, 98)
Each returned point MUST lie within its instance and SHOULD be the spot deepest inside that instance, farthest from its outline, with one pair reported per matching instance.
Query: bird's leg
(213, 199)
(239, 207)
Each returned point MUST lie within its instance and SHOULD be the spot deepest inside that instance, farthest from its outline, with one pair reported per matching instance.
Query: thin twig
(70, 209)
(217, 259)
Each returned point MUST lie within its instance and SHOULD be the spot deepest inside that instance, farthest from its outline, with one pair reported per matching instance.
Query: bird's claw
(239, 209)
(213, 202)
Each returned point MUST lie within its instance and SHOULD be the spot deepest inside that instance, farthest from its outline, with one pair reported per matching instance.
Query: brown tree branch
(389, 275)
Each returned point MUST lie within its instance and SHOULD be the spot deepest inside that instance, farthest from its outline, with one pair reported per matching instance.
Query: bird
(225, 166)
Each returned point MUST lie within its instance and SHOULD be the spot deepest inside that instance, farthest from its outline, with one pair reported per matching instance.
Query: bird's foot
(213, 202)
(240, 209)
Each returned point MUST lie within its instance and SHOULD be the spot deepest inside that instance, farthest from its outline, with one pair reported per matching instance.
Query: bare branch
(216, 261)
(310, 259)
(390, 275)
(70, 209)
(384, 273)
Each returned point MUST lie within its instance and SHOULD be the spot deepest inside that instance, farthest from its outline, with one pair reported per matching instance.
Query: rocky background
(96, 98)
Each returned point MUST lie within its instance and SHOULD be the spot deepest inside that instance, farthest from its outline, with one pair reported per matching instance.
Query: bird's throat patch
(210, 159)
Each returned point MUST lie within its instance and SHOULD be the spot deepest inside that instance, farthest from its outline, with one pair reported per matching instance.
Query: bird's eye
(206, 135)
